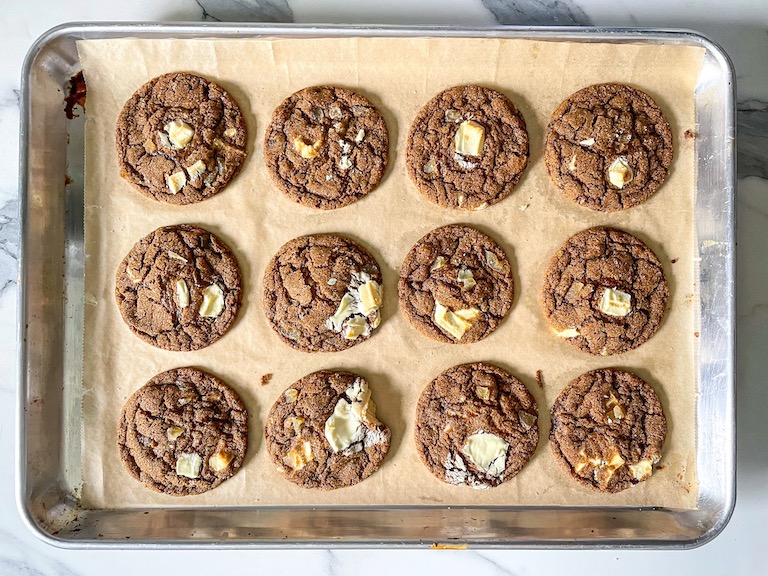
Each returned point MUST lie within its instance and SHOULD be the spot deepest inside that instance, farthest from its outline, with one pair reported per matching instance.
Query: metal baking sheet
(51, 331)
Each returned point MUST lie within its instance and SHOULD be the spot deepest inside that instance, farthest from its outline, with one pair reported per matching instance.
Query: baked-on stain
(178, 414)
(295, 434)
(265, 379)
(168, 261)
(604, 423)
(203, 166)
(597, 127)
(590, 263)
(467, 182)
(326, 147)
(432, 273)
(76, 95)
(466, 400)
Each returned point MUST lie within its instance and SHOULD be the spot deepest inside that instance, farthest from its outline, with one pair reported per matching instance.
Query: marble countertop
(740, 26)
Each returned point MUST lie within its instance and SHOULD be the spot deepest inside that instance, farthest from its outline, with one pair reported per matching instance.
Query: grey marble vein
(752, 127)
(9, 243)
(246, 10)
(537, 12)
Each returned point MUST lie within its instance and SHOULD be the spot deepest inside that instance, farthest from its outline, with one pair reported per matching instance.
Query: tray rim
(84, 30)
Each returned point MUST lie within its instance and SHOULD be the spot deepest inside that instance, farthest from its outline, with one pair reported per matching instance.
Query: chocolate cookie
(180, 138)
(604, 291)
(467, 148)
(323, 433)
(326, 147)
(609, 147)
(322, 293)
(476, 425)
(179, 288)
(184, 432)
(456, 285)
(608, 429)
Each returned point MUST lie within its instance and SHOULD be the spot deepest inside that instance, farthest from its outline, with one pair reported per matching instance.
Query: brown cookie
(184, 432)
(476, 425)
(604, 291)
(456, 285)
(322, 432)
(179, 288)
(467, 148)
(608, 429)
(326, 147)
(322, 293)
(180, 138)
(609, 147)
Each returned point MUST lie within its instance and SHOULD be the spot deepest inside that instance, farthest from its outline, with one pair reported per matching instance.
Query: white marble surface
(741, 26)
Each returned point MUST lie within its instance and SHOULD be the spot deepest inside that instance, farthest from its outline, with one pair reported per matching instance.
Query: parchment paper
(255, 219)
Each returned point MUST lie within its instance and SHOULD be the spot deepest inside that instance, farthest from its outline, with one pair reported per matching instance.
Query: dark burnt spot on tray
(76, 92)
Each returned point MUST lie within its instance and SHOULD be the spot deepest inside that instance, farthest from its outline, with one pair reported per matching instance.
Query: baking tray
(50, 332)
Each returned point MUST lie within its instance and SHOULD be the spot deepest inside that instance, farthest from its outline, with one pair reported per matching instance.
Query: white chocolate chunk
(568, 333)
(615, 303)
(572, 163)
(213, 302)
(587, 142)
(430, 167)
(452, 116)
(230, 132)
(360, 136)
(483, 392)
(345, 163)
(196, 170)
(527, 420)
(343, 428)
(467, 279)
(470, 138)
(437, 264)
(573, 291)
(346, 147)
(189, 465)
(332, 281)
(220, 460)
(179, 133)
(182, 293)
(356, 326)
(295, 422)
(487, 451)
(299, 455)
(370, 297)
(305, 150)
(463, 162)
(176, 181)
(641, 470)
(173, 432)
(346, 308)
(493, 261)
(291, 395)
(455, 323)
(172, 254)
(620, 173)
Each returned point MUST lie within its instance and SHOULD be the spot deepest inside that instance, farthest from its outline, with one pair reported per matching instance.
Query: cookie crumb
(539, 379)
(674, 260)
(696, 334)
(690, 134)
(265, 379)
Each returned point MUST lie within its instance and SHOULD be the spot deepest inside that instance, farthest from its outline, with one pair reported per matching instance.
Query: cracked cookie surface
(326, 147)
(297, 430)
(608, 147)
(604, 291)
(179, 288)
(476, 425)
(608, 430)
(180, 138)
(456, 285)
(184, 432)
(481, 176)
(322, 293)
